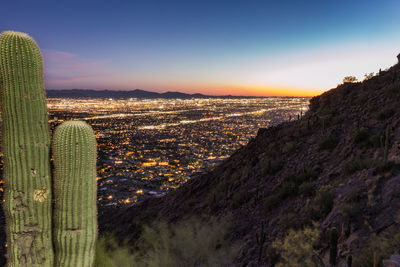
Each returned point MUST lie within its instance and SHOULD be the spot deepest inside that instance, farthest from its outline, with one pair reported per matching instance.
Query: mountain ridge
(338, 166)
(137, 93)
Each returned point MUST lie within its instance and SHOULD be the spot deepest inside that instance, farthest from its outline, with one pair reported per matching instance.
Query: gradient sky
(216, 47)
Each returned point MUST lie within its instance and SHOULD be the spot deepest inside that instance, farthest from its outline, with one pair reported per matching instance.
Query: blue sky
(215, 47)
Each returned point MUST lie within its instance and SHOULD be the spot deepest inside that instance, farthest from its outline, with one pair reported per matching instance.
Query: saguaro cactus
(333, 247)
(75, 188)
(26, 148)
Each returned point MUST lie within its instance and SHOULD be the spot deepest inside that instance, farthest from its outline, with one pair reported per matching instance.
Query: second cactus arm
(75, 193)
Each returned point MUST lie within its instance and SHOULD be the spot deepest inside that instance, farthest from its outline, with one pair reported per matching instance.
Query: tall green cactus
(26, 148)
(28, 186)
(75, 188)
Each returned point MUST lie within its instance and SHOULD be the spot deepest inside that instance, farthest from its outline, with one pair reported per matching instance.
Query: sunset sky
(212, 47)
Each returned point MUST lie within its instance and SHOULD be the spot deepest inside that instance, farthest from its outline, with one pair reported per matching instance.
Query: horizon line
(197, 93)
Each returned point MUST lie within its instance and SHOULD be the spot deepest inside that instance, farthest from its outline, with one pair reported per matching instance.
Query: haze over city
(256, 48)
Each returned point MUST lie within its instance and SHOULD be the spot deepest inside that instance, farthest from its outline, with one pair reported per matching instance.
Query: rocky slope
(338, 165)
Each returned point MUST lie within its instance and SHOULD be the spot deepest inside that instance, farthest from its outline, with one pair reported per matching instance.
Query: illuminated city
(148, 146)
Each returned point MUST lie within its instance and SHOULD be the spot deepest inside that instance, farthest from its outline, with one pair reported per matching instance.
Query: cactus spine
(75, 212)
(26, 148)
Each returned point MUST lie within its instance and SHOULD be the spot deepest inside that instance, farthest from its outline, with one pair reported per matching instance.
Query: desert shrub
(288, 220)
(306, 188)
(271, 166)
(271, 201)
(188, 243)
(356, 165)
(389, 166)
(361, 100)
(297, 248)
(272, 255)
(368, 76)
(306, 175)
(393, 90)
(350, 211)
(355, 195)
(240, 198)
(291, 147)
(352, 208)
(350, 79)
(328, 143)
(338, 119)
(385, 114)
(189, 205)
(323, 202)
(218, 192)
(361, 137)
(383, 245)
(288, 189)
(377, 140)
(109, 253)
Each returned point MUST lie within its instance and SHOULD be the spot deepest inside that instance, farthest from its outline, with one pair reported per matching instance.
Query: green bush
(383, 245)
(271, 167)
(385, 114)
(297, 248)
(306, 188)
(361, 137)
(271, 201)
(306, 175)
(350, 211)
(384, 167)
(288, 189)
(328, 143)
(291, 147)
(109, 253)
(355, 195)
(356, 165)
(377, 140)
(218, 192)
(323, 202)
(393, 90)
(191, 242)
(288, 220)
(188, 243)
(337, 119)
(240, 198)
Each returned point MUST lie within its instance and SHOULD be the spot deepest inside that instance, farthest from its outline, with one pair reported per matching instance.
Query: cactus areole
(26, 149)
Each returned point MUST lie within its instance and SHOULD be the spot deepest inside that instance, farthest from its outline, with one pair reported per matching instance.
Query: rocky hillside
(338, 165)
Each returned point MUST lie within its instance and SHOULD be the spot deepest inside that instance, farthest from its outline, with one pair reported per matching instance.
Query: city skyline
(210, 47)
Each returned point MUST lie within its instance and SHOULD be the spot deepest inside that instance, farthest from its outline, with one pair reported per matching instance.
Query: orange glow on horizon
(213, 89)
(255, 91)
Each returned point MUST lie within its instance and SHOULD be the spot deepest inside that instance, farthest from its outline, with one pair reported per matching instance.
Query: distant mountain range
(137, 93)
